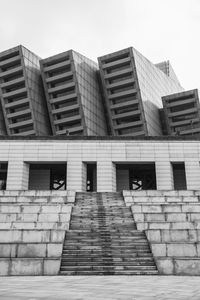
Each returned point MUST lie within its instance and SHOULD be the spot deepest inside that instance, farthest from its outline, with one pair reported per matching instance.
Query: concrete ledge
(26, 267)
(29, 267)
(179, 235)
(178, 266)
(161, 193)
(51, 267)
(37, 196)
(34, 226)
(31, 236)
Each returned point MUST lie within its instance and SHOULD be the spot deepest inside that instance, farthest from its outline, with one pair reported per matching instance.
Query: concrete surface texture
(97, 287)
(171, 221)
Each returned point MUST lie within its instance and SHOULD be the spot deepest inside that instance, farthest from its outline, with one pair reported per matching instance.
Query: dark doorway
(3, 175)
(47, 177)
(91, 185)
(58, 177)
(137, 176)
(179, 176)
(142, 177)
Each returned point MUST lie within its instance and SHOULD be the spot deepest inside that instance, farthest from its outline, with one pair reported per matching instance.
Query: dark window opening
(47, 177)
(9, 55)
(91, 185)
(59, 71)
(182, 107)
(179, 176)
(128, 119)
(3, 175)
(138, 176)
(115, 58)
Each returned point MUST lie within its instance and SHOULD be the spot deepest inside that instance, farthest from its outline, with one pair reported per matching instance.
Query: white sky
(159, 29)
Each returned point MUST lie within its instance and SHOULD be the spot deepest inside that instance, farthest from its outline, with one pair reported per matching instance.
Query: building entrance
(137, 176)
(91, 185)
(47, 177)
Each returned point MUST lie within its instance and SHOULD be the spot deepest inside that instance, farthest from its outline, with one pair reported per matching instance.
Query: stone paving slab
(100, 287)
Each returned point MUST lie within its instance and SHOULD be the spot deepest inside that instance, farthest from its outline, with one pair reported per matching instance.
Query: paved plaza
(100, 287)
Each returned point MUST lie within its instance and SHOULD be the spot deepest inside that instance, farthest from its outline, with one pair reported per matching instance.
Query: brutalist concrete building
(73, 95)
(182, 113)
(133, 88)
(121, 96)
(83, 203)
(21, 91)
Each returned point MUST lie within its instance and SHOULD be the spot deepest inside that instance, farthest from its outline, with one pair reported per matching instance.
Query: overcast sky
(159, 29)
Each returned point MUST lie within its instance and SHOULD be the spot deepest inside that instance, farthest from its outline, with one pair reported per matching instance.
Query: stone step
(104, 262)
(119, 231)
(99, 267)
(114, 215)
(96, 258)
(109, 272)
(104, 241)
(113, 252)
(106, 246)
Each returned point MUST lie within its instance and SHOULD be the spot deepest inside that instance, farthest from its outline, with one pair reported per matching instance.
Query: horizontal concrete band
(31, 250)
(178, 265)
(29, 266)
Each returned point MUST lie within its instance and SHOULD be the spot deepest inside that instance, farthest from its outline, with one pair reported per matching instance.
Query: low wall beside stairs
(171, 220)
(32, 231)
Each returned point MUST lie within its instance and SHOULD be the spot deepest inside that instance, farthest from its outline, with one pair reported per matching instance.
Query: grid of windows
(75, 96)
(21, 89)
(182, 113)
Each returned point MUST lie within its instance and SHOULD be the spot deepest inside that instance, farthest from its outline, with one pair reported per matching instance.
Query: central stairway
(103, 239)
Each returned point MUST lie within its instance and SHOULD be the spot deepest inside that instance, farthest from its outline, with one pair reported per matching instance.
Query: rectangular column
(164, 175)
(18, 175)
(192, 172)
(106, 176)
(123, 180)
(76, 176)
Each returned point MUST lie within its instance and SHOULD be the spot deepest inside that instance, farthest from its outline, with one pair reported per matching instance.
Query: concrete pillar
(164, 175)
(76, 176)
(18, 175)
(192, 172)
(123, 182)
(106, 176)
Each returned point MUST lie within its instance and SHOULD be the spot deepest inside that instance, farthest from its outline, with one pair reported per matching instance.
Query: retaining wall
(32, 231)
(171, 220)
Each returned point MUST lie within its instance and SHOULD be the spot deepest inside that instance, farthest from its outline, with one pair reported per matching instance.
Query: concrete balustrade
(171, 220)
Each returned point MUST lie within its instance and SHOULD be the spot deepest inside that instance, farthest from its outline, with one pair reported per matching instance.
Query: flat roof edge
(100, 138)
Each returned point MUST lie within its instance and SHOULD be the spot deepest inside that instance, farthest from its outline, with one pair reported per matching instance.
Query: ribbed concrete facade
(182, 113)
(133, 88)
(21, 91)
(73, 95)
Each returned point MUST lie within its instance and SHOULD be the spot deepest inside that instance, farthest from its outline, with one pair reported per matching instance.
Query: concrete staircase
(103, 239)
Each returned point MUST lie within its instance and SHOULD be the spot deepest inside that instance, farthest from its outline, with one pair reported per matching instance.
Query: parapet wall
(32, 231)
(171, 220)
